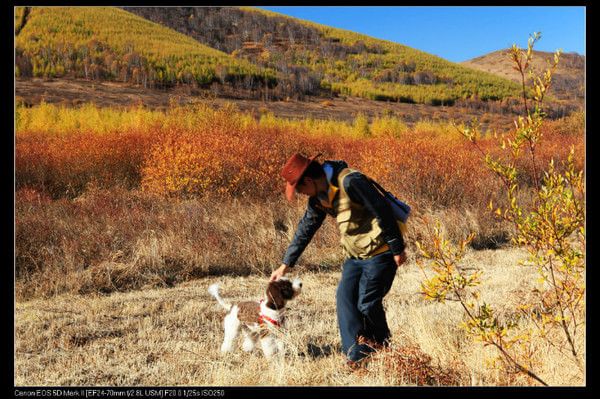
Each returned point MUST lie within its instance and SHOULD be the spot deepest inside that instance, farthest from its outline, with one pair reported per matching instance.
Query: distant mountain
(568, 82)
(262, 54)
(308, 56)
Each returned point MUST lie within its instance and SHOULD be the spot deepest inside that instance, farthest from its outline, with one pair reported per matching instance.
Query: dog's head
(282, 290)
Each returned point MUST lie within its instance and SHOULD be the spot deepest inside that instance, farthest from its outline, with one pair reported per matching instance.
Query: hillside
(106, 43)
(308, 58)
(568, 80)
(343, 61)
(242, 54)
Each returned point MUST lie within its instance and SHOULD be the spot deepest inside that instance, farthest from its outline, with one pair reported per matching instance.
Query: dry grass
(171, 336)
(157, 326)
(115, 239)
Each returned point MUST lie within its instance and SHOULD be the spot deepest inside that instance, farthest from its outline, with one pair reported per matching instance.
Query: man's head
(303, 175)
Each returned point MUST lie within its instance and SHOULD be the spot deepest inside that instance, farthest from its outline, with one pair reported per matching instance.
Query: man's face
(307, 187)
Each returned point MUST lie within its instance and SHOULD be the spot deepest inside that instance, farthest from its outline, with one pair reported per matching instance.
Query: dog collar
(263, 318)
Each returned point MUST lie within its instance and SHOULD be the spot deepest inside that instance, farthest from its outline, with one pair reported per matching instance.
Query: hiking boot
(357, 366)
(373, 344)
(353, 365)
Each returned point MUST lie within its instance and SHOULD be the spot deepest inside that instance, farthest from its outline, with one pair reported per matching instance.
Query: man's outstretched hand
(283, 269)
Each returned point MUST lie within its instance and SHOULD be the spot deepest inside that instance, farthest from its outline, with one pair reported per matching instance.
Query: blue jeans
(359, 298)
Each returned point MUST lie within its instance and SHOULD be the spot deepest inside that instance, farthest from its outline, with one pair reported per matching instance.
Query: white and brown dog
(258, 320)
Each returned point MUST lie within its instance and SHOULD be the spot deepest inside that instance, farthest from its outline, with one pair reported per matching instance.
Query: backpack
(401, 209)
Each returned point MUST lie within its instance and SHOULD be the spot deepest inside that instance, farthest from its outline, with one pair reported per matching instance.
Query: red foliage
(221, 157)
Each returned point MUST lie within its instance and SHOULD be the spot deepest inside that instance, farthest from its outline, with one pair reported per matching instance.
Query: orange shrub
(64, 165)
(199, 150)
(439, 171)
(182, 164)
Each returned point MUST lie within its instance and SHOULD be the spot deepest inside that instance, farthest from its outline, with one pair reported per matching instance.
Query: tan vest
(360, 232)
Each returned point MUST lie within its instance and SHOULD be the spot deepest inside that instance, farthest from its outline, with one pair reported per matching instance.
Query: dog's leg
(280, 348)
(232, 328)
(249, 341)
(268, 345)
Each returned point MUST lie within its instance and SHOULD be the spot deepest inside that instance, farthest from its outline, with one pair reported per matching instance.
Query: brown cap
(292, 172)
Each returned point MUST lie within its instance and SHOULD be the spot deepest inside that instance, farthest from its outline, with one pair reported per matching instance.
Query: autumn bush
(101, 199)
(198, 149)
(548, 221)
(62, 166)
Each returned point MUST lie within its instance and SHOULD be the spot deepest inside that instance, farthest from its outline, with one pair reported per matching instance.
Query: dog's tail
(214, 291)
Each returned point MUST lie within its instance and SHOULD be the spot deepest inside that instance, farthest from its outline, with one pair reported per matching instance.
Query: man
(371, 239)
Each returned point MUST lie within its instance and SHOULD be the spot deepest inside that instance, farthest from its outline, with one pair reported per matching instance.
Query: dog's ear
(275, 298)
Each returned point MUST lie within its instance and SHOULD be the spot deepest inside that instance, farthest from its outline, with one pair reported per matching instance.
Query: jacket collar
(332, 170)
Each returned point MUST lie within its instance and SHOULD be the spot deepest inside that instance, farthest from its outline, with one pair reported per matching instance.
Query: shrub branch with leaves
(452, 282)
(550, 224)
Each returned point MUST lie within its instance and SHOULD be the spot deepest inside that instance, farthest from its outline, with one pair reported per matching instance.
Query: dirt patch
(73, 92)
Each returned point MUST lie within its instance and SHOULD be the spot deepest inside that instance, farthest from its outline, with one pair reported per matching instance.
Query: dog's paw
(248, 346)
(226, 348)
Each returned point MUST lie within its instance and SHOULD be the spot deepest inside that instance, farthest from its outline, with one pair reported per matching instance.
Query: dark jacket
(361, 191)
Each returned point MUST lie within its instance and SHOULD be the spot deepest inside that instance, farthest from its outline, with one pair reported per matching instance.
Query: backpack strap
(377, 185)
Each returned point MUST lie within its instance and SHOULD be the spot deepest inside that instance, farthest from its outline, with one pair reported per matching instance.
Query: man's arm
(309, 224)
(362, 191)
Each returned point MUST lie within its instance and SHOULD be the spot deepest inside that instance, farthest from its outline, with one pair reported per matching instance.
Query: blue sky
(456, 33)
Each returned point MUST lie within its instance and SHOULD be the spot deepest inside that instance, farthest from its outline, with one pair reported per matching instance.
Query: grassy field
(171, 336)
